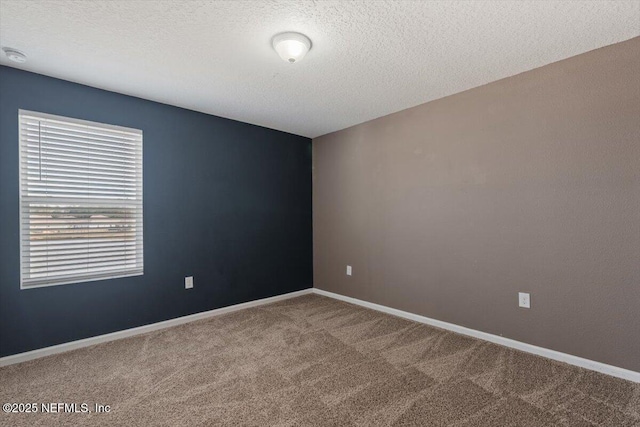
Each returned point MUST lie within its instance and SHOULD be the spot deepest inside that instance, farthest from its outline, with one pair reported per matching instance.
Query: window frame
(21, 223)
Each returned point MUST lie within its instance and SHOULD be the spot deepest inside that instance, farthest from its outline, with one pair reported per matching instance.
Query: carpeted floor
(314, 361)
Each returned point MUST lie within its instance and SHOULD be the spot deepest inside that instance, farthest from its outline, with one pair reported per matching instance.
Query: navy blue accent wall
(224, 201)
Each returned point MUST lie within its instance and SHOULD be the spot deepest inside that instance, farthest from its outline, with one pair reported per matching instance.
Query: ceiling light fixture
(291, 47)
(15, 55)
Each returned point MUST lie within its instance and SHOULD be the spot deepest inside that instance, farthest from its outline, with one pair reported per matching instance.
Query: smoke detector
(15, 55)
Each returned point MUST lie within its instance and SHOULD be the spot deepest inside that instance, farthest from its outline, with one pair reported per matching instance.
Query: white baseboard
(60, 348)
(528, 348)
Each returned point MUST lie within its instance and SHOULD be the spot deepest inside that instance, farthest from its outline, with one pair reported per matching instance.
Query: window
(80, 200)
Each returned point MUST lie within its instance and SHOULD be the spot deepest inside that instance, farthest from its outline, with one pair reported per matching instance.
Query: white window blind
(80, 200)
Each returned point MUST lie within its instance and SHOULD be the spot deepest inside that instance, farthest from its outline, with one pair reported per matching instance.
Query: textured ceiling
(368, 58)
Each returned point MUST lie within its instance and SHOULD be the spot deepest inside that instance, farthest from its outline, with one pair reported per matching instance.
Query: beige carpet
(314, 361)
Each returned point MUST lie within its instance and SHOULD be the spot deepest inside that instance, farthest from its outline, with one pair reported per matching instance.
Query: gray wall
(531, 183)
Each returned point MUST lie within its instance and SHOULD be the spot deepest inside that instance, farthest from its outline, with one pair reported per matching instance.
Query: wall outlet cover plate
(524, 300)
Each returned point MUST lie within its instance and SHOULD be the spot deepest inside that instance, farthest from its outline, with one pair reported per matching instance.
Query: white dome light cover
(291, 47)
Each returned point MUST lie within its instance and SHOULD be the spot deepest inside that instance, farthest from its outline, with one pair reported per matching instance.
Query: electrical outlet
(348, 270)
(188, 282)
(524, 300)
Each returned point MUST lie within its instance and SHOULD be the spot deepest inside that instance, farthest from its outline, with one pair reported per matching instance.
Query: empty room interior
(320, 213)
